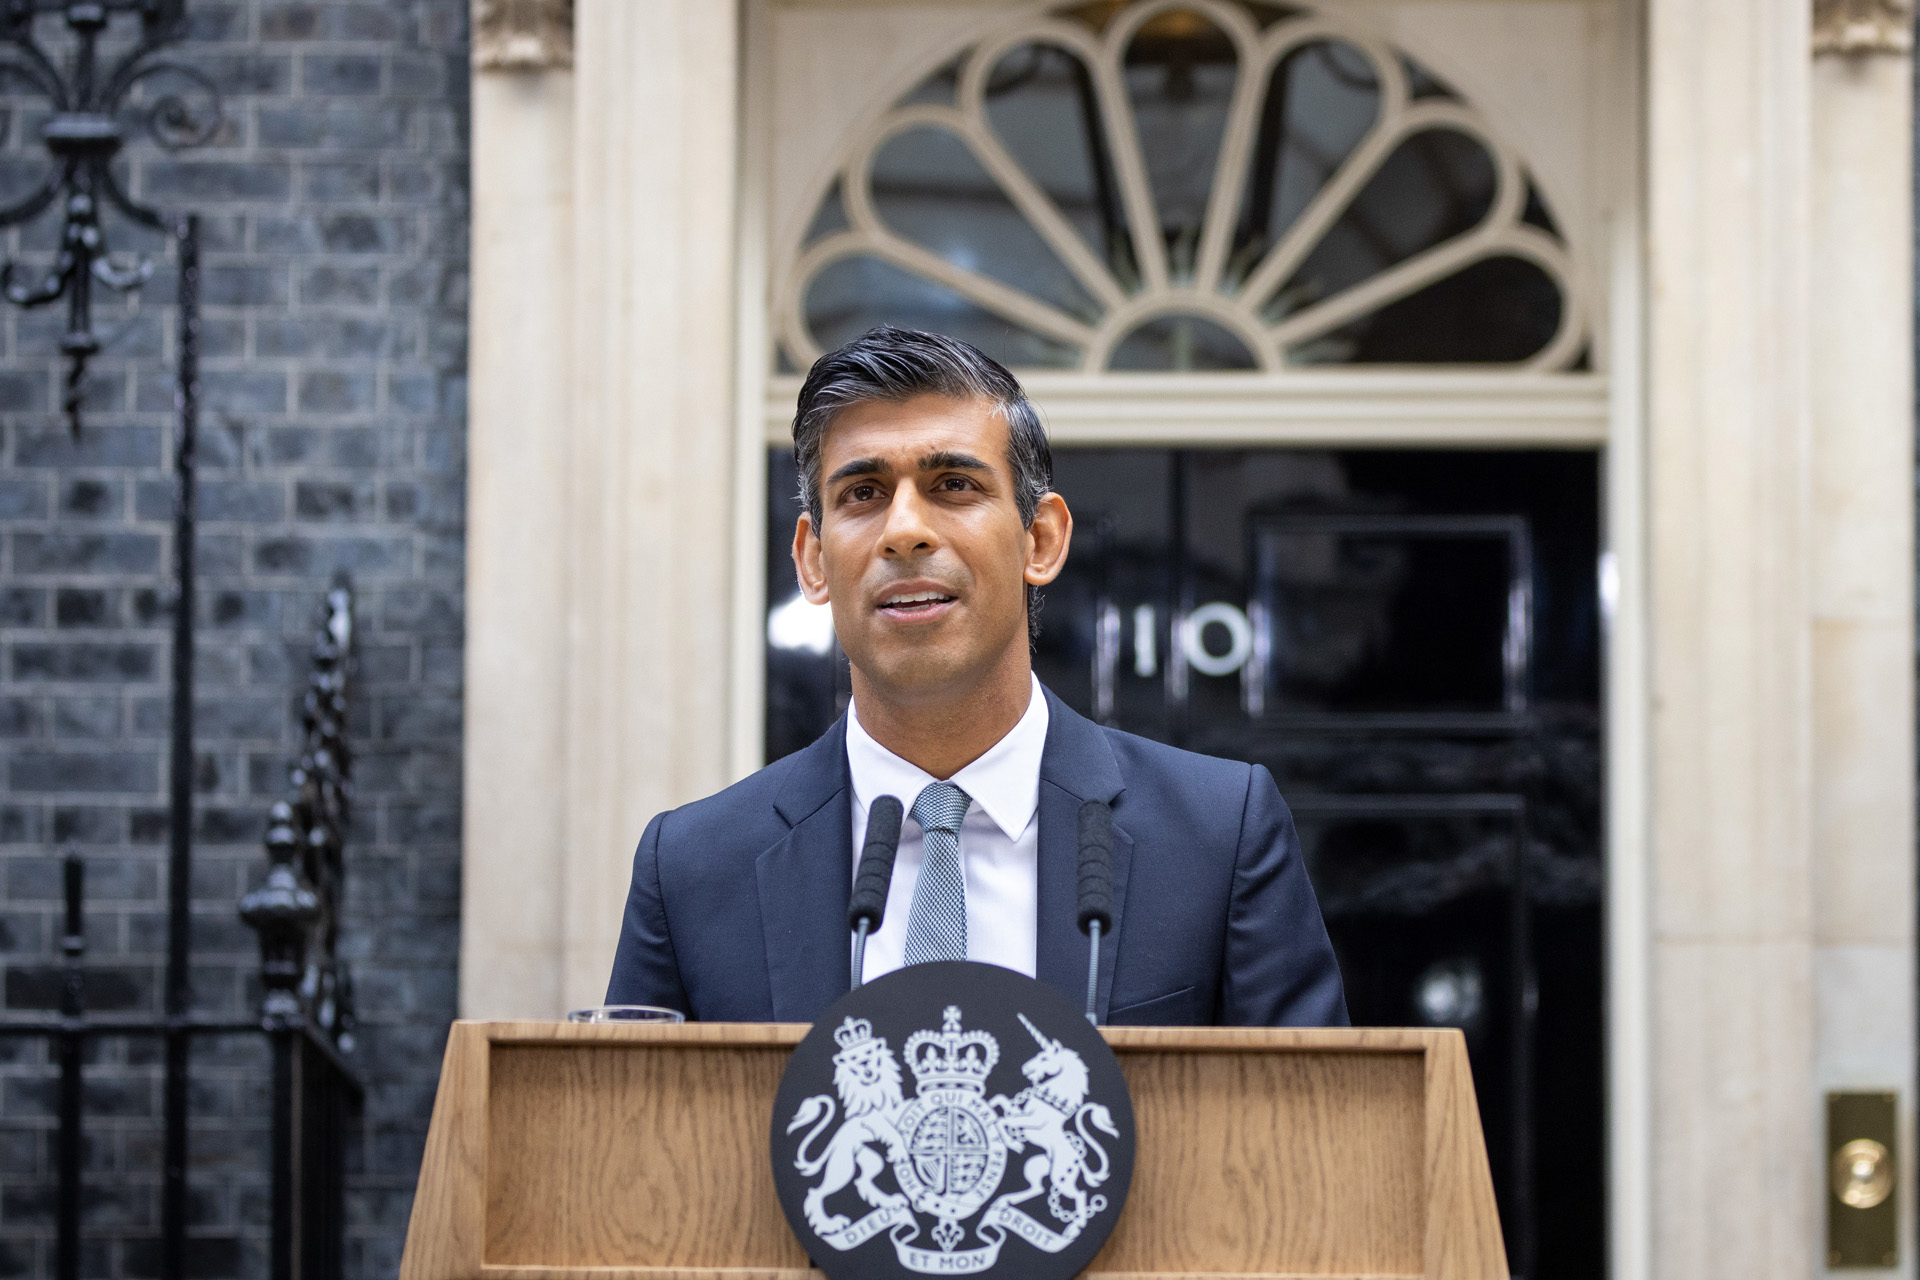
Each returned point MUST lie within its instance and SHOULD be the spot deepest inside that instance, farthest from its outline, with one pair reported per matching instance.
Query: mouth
(916, 605)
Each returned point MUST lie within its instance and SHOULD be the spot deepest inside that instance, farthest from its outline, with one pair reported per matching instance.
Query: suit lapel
(804, 881)
(1076, 766)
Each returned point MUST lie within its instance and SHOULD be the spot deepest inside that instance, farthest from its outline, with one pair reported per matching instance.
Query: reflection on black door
(1409, 640)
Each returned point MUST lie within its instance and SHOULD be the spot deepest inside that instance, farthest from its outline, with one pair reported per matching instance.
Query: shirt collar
(1004, 782)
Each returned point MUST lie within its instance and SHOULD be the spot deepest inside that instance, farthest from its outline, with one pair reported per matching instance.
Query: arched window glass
(1187, 185)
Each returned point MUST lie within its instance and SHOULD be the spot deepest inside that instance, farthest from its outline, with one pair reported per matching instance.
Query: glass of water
(626, 1014)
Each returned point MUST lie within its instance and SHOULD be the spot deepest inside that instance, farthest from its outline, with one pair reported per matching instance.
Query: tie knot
(941, 806)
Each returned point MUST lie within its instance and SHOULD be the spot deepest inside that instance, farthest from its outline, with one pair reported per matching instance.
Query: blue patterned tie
(937, 922)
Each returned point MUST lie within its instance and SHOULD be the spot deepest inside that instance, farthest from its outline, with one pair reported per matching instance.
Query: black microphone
(868, 906)
(1095, 888)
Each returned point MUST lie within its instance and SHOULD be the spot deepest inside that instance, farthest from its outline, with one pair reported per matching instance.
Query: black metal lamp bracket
(83, 137)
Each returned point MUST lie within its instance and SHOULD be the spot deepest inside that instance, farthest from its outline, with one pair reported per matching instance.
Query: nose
(909, 531)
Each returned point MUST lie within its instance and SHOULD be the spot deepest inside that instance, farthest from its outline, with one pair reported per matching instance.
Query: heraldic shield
(952, 1119)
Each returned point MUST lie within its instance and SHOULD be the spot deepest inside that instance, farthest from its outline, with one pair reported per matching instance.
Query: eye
(863, 492)
(956, 484)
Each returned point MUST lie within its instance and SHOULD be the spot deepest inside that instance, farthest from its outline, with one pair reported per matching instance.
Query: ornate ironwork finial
(296, 912)
(82, 137)
(283, 912)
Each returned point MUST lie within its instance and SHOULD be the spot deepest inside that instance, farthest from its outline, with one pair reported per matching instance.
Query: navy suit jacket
(738, 911)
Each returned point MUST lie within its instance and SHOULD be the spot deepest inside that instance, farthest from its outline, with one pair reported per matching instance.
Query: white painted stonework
(600, 483)
(1735, 1171)
(519, 388)
(1862, 558)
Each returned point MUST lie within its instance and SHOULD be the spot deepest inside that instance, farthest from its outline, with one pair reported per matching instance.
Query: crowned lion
(867, 1078)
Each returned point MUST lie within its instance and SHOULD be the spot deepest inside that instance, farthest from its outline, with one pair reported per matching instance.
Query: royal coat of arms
(948, 1169)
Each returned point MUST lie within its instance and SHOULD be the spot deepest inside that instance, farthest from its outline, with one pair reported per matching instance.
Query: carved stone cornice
(1862, 26)
(522, 35)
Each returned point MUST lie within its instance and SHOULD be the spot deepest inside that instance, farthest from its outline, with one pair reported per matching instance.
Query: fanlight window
(1187, 185)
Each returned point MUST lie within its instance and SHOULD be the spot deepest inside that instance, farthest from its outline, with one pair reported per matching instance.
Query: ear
(1047, 540)
(807, 561)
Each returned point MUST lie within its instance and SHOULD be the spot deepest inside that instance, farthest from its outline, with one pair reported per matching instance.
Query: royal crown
(952, 1058)
(852, 1032)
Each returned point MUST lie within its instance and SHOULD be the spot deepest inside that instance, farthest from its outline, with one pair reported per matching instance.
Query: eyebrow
(941, 460)
(949, 461)
(858, 467)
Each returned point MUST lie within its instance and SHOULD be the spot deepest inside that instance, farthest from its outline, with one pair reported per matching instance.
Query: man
(930, 523)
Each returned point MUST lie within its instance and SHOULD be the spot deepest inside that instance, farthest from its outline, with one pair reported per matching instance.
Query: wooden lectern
(594, 1152)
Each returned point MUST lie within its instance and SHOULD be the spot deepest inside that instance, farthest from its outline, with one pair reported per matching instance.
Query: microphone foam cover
(869, 901)
(1096, 866)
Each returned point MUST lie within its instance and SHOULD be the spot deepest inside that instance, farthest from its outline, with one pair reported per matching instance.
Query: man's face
(921, 550)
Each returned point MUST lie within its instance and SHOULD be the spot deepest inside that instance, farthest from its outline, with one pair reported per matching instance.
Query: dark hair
(898, 364)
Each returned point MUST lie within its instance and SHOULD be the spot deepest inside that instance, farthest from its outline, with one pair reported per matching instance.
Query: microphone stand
(1093, 970)
(868, 906)
(859, 953)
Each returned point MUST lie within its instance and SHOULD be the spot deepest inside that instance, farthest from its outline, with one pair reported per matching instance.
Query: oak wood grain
(1268, 1162)
(602, 1155)
(450, 1201)
(581, 1152)
(1463, 1221)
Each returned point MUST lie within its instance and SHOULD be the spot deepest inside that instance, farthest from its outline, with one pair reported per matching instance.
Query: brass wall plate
(1862, 1176)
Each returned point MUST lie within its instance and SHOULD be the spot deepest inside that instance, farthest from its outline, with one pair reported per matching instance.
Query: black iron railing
(306, 1012)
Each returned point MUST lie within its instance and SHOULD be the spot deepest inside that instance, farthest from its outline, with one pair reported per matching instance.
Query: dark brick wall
(334, 206)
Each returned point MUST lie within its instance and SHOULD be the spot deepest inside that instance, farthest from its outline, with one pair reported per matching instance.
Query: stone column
(513, 825)
(1862, 554)
(1734, 1189)
(651, 516)
(601, 470)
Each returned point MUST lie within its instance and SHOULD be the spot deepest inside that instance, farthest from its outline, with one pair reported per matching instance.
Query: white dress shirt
(999, 841)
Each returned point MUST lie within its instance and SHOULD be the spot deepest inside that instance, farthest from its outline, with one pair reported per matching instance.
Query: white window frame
(1500, 233)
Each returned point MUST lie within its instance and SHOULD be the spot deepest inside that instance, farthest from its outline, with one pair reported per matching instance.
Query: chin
(907, 675)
